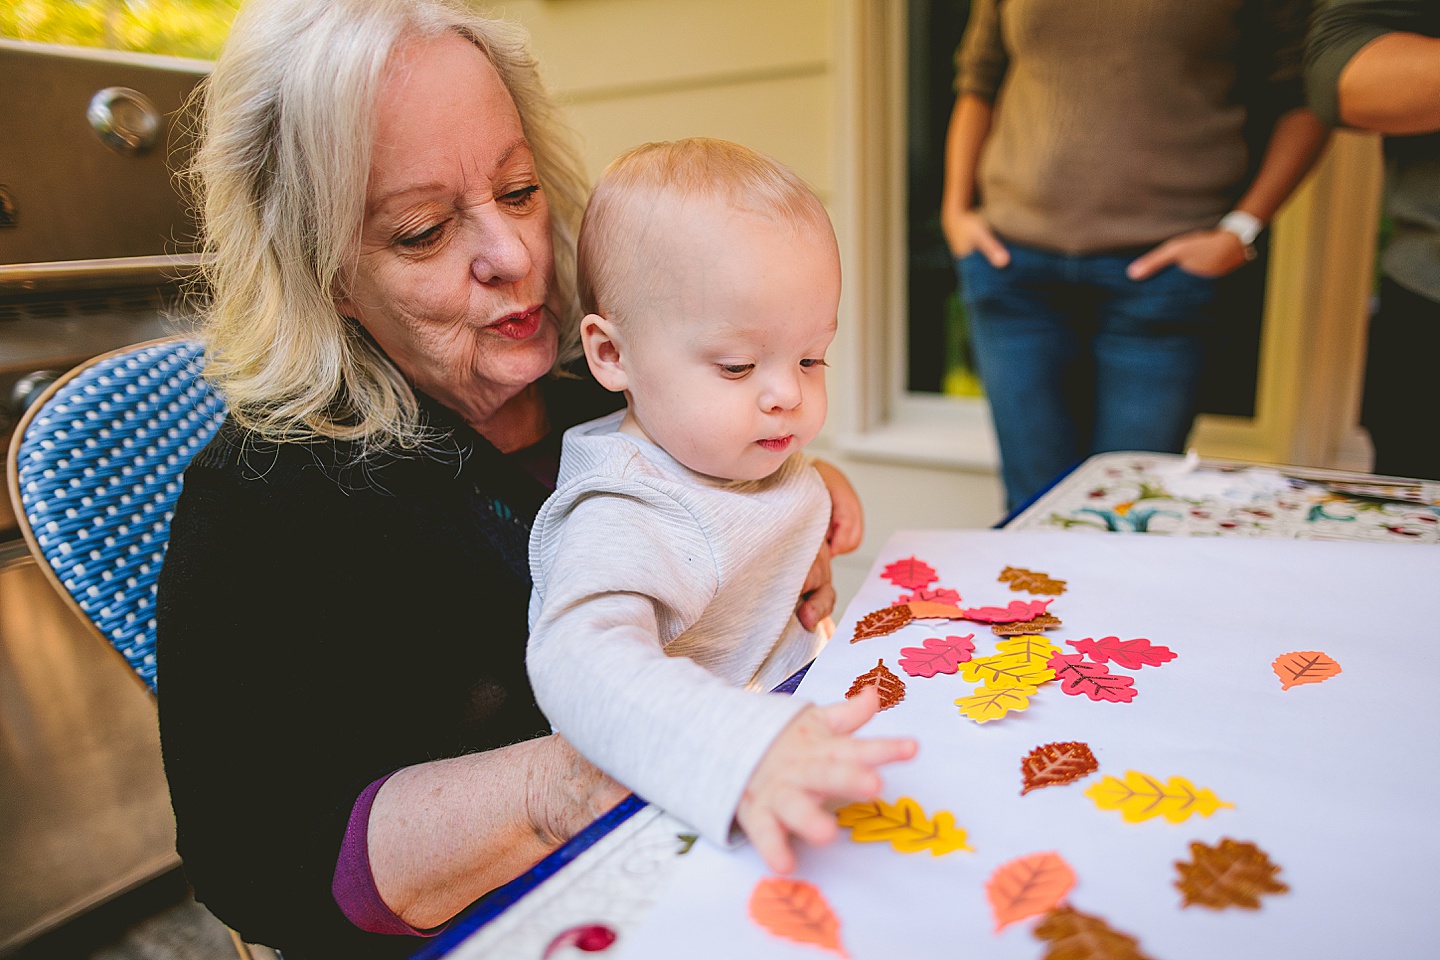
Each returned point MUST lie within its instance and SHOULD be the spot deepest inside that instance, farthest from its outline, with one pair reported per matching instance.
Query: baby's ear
(603, 351)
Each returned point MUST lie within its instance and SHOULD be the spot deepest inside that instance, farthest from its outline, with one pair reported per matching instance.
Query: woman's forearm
(1392, 85)
(1294, 144)
(969, 126)
(442, 834)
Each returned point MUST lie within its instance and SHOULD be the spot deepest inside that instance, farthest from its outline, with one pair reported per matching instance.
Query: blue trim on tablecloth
(499, 900)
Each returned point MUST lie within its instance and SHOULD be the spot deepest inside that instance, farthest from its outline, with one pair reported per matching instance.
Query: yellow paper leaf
(903, 825)
(992, 703)
(1032, 645)
(1141, 797)
(1007, 670)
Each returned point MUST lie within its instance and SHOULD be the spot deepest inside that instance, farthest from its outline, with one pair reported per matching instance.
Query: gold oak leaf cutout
(881, 622)
(890, 687)
(1046, 621)
(903, 825)
(1031, 582)
(1072, 935)
(1234, 874)
(1052, 764)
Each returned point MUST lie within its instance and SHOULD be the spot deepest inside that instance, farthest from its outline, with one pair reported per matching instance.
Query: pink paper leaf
(937, 656)
(1017, 611)
(939, 595)
(1130, 654)
(910, 574)
(1079, 676)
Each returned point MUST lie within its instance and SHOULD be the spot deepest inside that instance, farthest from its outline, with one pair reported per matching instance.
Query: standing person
(353, 749)
(1375, 65)
(666, 563)
(1098, 181)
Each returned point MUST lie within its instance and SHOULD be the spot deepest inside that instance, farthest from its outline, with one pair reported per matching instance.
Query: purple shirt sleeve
(354, 885)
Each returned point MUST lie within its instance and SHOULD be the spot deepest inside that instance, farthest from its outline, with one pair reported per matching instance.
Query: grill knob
(126, 121)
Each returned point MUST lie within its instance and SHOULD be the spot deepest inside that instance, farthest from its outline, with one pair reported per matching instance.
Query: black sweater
(322, 623)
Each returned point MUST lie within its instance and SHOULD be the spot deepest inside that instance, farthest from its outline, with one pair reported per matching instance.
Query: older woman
(353, 749)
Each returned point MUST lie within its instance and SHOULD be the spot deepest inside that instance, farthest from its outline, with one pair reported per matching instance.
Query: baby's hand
(813, 763)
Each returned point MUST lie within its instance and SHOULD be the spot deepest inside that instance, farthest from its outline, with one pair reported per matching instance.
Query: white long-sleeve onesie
(662, 611)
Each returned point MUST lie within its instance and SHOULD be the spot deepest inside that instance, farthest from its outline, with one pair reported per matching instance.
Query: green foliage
(180, 28)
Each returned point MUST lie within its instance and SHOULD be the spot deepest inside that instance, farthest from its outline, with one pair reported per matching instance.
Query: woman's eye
(522, 198)
(424, 239)
(736, 370)
(813, 362)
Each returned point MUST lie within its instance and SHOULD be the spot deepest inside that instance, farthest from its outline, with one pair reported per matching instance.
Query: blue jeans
(1079, 359)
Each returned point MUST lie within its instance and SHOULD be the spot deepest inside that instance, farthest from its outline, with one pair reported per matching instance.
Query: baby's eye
(424, 239)
(522, 198)
(736, 370)
(814, 362)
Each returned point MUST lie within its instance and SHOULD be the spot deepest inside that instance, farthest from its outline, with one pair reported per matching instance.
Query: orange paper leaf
(930, 610)
(1073, 935)
(1027, 886)
(1052, 764)
(797, 911)
(1303, 666)
(881, 622)
(1233, 874)
(890, 687)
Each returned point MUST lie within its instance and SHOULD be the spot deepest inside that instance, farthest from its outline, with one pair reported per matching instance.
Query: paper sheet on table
(1335, 781)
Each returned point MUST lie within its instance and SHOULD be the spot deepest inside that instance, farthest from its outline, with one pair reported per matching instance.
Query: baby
(668, 562)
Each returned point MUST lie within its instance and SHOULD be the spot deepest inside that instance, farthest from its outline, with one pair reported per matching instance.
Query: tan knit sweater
(1119, 123)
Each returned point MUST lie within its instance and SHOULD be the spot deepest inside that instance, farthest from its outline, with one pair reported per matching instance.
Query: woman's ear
(604, 352)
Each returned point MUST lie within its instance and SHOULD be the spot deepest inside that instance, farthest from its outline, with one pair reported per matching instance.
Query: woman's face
(455, 261)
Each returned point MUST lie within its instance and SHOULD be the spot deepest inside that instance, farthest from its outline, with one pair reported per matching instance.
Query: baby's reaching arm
(813, 766)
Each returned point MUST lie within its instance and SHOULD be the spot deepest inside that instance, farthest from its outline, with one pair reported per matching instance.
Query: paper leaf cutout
(1046, 621)
(1021, 662)
(1140, 797)
(937, 655)
(1234, 874)
(1073, 935)
(1079, 676)
(1052, 764)
(1031, 582)
(1130, 654)
(930, 610)
(1027, 886)
(796, 910)
(1014, 612)
(881, 622)
(890, 687)
(992, 703)
(903, 825)
(910, 574)
(939, 595)
(1303, 666)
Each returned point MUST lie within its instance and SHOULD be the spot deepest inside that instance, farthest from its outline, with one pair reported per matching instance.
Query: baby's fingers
(850, 715)
(806, 818)
(768, 836)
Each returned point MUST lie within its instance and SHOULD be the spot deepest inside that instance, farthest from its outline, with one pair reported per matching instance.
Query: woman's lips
(776, 444)
(521, 326)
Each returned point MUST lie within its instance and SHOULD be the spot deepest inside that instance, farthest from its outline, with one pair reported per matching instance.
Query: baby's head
(710, 280)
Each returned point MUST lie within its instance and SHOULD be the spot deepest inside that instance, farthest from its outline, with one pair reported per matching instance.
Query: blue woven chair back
(99, 470)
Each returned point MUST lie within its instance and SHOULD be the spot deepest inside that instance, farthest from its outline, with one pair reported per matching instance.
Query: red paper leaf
(1017, 611)
(910, 573)
(939, 595)
(937, 656)
(1079, 676)
(1130, 654)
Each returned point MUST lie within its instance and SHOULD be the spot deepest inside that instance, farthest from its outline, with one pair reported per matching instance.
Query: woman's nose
(501, 255)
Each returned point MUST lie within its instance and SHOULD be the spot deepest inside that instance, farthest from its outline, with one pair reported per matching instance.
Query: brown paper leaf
(890, 687)
(1046, 621)
(1031, 581)
(1234, 874)
(1072, 935)
(881, 622)
(1052, 764)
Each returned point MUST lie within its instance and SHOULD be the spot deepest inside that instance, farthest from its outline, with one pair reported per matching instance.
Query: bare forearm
(1392, 85)
(442, 834)
(1294, 144)
(969, 126)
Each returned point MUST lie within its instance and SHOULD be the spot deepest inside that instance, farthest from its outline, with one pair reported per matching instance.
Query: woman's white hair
(287, 121)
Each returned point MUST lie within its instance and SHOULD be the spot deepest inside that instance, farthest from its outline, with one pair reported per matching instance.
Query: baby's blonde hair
(652, 179)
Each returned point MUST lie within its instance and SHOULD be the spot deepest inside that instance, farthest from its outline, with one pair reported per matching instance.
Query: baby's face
(725, 356)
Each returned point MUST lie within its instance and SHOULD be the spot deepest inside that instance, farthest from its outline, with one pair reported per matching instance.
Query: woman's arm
(1392, 85)
(442, 834)
(965, 231)
(1295, 142)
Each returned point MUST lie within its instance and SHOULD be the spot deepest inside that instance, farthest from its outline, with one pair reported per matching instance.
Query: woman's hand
(966, 231)
(1205, 253)
(847, 529)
